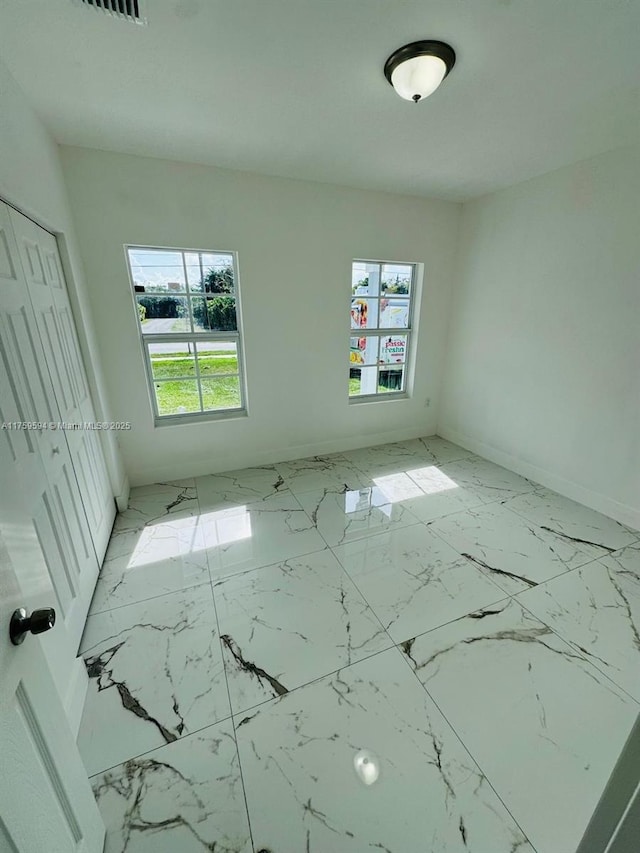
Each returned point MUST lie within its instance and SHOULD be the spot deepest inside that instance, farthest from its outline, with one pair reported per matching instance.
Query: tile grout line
(437, 533)
(226, 681)
(179, 738)
(540, 583)
(428, 524)
(584, 654)
(605, 548)
(504, 597)
(152, 597)
(466, 748)
(233, 723)
(625, 527)
(165, 745)
(224, 577)
(368, 535)
(393, 644)
(364, 598)
(260, 705)
(403, 656)
(329, 547)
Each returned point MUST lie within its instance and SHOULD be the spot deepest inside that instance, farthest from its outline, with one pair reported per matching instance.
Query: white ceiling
(295, 87)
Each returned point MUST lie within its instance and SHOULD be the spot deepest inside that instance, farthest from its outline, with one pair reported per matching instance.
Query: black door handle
(39, 622)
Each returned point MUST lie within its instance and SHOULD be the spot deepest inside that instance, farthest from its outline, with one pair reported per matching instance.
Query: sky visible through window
(359, 271)
(186, 303)
(153, 269)
(381, 297)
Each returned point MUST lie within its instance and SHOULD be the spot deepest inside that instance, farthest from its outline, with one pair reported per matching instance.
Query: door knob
(39, 622)
(55, 451)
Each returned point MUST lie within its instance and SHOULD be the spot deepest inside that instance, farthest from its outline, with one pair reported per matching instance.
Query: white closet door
(43, 269)
(41, 462)
(46, 802)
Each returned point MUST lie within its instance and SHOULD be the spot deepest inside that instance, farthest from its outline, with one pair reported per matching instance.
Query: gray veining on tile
(157, 503)
(155, 673)
(150, 561)
(363, 761)
(256, 534)
(438, 450)
(384, 459)
(238, 488)
(532, 711)
(343, 515)
(343, 750)
(488, 481)
(186, 797)
(514, 552)
(318, 472)
(288, 624)
(435, 494)
(597, 609)
(414, 581)
(596, 534)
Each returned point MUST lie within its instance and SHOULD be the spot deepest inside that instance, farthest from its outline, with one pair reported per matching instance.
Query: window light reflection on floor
(176, 537)
(414, 484)
(362, 500)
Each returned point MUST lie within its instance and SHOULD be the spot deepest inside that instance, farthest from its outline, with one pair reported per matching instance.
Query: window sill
(378, 398)
(202, 417)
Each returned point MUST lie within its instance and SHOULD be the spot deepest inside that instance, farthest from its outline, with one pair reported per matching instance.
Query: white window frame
(410, 333)
(190, 337)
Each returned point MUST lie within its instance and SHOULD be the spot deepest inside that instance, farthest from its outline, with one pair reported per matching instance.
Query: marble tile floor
(403, 648)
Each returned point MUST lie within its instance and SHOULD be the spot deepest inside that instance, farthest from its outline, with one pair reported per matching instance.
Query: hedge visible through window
(187, 314)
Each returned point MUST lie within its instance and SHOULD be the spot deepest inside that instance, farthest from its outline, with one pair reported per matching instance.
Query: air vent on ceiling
(128, 10)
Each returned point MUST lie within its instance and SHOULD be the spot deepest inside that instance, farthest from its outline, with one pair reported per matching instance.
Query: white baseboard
(232, 462)
(623, 513)
(76, 695)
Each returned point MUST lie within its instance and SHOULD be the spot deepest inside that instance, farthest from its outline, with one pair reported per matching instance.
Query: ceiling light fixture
(416, 70)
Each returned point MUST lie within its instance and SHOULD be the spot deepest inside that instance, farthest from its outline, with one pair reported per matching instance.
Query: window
(382, 297)
(187, 306)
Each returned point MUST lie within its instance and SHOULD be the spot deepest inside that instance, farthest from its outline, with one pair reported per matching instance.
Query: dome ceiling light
(416, 70)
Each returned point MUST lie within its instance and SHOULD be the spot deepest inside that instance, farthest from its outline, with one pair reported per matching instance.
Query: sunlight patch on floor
(414, 484)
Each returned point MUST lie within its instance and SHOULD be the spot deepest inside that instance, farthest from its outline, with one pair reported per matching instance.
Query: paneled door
(43, 270)
(46, 803)
(40, 461)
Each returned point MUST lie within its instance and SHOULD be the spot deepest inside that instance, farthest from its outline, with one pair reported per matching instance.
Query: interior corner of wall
(122, 495)
(598, 501)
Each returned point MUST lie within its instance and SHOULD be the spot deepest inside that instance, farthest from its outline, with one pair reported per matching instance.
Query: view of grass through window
(187, 313)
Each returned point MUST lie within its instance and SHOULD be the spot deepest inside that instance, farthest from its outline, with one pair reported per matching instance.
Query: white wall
(31, 179)
(543, 357)
(296, 241)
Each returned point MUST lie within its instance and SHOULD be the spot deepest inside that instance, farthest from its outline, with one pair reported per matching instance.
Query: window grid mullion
(184, 270)
(186, 337)
(195, 356)
(149, 369)
(218, 376)
(188, 292)
(190, 339)
(379, 330)
(159, 379)
(382, 332)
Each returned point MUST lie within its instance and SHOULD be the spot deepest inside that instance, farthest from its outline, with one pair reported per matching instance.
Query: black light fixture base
(440, 49)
